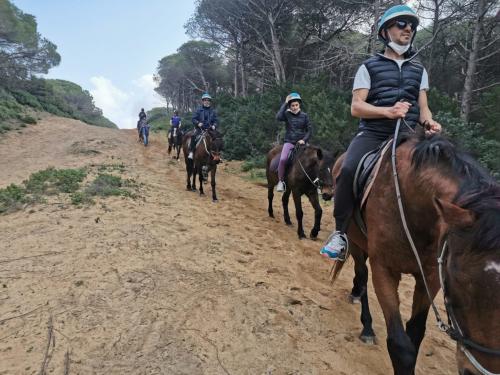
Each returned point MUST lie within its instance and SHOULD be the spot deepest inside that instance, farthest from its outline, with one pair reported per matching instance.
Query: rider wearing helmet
(204, 118)
(175, 123)
(387, 86)
(298, 130)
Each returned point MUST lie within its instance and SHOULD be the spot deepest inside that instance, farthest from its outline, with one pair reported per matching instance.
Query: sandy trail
(171, 283)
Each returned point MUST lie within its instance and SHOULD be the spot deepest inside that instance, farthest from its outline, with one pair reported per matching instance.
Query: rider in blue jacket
(175, 123)
(204, 118)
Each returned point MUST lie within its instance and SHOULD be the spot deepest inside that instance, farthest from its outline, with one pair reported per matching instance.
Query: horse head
(317, 165)
(470, 278)
(215, 145)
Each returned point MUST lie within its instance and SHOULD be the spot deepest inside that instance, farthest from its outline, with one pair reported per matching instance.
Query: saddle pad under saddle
(273, 166)
(367, 171)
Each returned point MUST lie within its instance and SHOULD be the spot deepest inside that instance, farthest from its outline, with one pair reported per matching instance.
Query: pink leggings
(284, 156)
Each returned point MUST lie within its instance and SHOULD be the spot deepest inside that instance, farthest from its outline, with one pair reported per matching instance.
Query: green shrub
(12, 198)
(27, 119)
(107, 185)
(54, 181)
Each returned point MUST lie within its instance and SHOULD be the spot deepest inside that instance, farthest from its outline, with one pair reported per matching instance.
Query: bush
(107, 185)
(54, 181)
(28, 119)
(12, 198)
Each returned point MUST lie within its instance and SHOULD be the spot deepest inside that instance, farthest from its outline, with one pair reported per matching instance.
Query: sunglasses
(205, 100)
(401, 24)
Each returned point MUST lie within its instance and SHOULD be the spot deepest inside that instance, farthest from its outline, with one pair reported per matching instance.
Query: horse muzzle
(327, 193)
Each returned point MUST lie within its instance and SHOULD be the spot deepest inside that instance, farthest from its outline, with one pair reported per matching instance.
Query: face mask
(398, 48)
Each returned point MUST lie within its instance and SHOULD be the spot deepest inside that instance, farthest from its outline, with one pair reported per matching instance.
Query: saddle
(289, 161)
(366, 172)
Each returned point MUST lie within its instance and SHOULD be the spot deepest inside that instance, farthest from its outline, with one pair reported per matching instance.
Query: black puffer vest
(390, 84)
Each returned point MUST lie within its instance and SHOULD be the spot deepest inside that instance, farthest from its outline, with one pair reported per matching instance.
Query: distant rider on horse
(175, 123)
(298, 130)
(387, 86)
(204, 118)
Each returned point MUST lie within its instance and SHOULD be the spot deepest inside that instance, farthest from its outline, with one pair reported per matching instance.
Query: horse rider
(387, 86)
(204, 118)
(175, 123)
(298, 130)
(142, 120)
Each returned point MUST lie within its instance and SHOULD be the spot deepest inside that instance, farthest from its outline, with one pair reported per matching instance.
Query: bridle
(452, 329)
(212, 154)
(317, 182)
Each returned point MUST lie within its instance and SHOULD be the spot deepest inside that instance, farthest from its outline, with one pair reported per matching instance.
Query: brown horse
(205, 159)
(175, 141)
(310, 171)
(451, 207)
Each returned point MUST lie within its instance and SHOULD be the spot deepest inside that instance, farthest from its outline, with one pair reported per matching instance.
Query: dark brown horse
(310, 171)
(175, 141)
(205, 159)
(451, 204)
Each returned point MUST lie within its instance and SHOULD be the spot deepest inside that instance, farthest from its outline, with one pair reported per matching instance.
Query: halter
(209, 152)
(452, 329)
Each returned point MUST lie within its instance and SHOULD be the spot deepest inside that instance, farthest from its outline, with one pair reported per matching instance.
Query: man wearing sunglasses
(203, 119)
(388, 86)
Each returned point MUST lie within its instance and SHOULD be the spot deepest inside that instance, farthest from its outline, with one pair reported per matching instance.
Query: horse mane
(478, 191)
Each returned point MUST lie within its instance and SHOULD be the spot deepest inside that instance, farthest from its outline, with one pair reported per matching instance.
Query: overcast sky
(112, 47)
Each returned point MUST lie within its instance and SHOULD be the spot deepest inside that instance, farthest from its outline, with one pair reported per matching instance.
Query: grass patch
(27, 119)
(106, 185)
(12, 198)
(53, 181)
(119, 167)
(253, 163)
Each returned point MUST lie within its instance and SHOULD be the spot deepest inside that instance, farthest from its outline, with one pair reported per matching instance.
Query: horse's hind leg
(200, 179)
(270, 196)
(318, 212)
(415, 327)
(360, 292)
(299, 214)
(401, 349)
(284, 200)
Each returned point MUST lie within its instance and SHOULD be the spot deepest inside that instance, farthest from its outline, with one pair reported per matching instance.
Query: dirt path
(171, 283)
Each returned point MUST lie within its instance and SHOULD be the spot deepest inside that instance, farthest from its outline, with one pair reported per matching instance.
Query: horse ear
(454, 215)
(319, 153)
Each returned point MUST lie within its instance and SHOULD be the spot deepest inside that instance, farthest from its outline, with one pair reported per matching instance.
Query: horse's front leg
(193, 185)
(270, 196)
(401, 349)
(178, 151)
(200, 179)
(284, 200)
(212, 182)
(360, 292)
(318, 212)
(298, 213)
(415, 327)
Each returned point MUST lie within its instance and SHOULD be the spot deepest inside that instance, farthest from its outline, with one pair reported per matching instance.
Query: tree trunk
(465, 107)
(277, 60)
(236, 66)
(374, 34)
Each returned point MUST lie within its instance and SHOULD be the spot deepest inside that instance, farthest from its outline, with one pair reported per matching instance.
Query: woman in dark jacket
(298, 130)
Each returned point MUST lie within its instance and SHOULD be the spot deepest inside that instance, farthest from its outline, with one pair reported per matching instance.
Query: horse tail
(335, 270)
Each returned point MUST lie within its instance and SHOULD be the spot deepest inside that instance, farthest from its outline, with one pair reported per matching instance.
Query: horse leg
(284, 200)
(401, 349)
(299, 214)
(270, 196)
(178, 150)
(212, 182)
(415, 327)
(200, 179)
(193, 185)
(318, 212)
(360, 292)
(189, 172)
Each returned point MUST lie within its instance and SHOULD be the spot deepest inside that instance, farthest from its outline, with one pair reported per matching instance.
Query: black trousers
(194, 138)
(362, 143)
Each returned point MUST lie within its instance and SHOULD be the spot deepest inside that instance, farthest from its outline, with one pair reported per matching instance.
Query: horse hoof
(355, 300)
(289, 223)
(368, 340)
(215, 200)
(202, 193)
(302, 236)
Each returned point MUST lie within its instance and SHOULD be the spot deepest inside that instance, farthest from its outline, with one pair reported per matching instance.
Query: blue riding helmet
(293, 96)
(397, 11)
(206, 95)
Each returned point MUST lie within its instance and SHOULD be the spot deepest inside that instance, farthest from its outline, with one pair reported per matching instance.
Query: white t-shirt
(362, 79)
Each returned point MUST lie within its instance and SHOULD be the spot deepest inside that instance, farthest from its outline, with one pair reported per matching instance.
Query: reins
(452, 329)
(316, 182)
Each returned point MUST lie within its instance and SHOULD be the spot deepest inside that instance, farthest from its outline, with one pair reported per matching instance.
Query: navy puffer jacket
(297, 125)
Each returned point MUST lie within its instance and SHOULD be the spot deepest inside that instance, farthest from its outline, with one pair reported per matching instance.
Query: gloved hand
(213, 127)
(200, 124)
